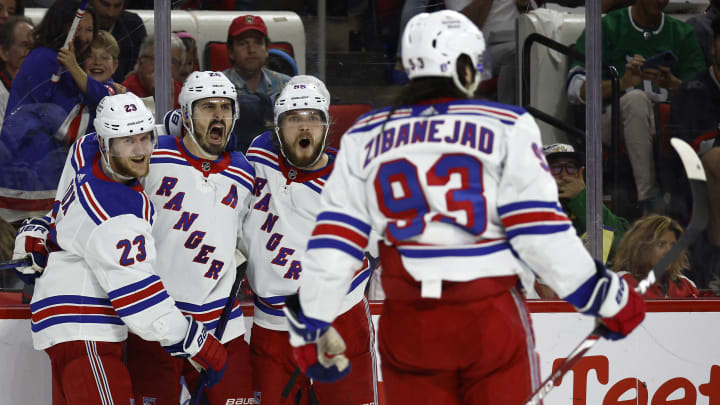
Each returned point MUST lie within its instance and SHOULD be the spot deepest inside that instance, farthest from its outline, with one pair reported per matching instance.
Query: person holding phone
(632, 37)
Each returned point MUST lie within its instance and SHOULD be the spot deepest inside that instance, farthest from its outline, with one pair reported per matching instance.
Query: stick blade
(690, 160)
(698, 221)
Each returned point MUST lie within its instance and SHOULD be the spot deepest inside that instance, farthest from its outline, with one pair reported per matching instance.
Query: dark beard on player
(294, 158)
(217, 131)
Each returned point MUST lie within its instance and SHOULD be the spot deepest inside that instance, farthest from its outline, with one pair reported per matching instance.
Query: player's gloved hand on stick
(318, 350)
(203, 351)
(620, 308)
(30, 241)
(628, 318)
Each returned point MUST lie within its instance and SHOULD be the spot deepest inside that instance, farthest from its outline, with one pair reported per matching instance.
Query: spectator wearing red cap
(248, 45)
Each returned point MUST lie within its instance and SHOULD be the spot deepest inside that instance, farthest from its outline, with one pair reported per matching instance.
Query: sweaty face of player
(130, 155)
(302, 133)
(212, 122)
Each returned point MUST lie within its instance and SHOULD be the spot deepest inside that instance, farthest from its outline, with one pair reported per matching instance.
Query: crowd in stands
(661, 61)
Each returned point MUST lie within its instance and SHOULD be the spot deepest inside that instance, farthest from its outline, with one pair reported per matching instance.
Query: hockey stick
(291, 382)
(13, 264)
(71, 35)
(220, 329)
(293, 378)
(698, 222)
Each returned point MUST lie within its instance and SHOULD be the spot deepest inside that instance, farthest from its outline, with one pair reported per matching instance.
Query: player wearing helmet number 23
(100, 281)
(460, 193)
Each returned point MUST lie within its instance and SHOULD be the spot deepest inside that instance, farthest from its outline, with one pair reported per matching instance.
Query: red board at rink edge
(536, 306)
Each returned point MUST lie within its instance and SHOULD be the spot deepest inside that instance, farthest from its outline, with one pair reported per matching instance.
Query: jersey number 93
(401, 196)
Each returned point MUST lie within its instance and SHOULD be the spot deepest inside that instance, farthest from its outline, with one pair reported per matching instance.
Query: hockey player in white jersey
(291, 167)
(461, 193)
(201, 193)
(100, 280)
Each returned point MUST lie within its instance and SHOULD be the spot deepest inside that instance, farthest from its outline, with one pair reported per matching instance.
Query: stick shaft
(220, 329)
(71, 35)
(13, 264)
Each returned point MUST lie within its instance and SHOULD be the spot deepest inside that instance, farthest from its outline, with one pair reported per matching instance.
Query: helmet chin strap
(108, 166)
(317, 158)
(468, 90)
(191, 132)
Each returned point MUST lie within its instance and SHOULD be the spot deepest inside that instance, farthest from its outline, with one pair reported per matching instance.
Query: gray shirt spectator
(248, 45)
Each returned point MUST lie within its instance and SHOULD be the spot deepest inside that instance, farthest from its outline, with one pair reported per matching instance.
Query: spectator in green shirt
(630, 36)
(567, 167)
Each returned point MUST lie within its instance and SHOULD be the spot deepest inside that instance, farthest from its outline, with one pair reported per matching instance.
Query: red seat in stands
(342, 117)
(216, 54)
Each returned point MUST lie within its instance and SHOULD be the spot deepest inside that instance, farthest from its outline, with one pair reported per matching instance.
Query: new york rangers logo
(206, 166)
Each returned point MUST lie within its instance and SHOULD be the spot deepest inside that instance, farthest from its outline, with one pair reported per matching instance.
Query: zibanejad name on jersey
(464, 133)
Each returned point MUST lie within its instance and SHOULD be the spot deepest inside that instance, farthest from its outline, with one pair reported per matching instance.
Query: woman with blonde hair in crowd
(641, 249)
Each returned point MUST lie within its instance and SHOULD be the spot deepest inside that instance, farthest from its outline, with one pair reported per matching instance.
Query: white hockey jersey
(200, 207)
(462, 190)
(102, 280)
(282, 215)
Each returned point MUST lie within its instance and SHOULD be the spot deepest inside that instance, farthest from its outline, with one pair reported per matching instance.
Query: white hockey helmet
(305, 92)
(433, 42)
(206, 84)
(308, 79)
(120, 116)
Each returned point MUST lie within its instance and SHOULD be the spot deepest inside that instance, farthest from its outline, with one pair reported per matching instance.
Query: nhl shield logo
(149, 401)
(292, 174)
(206, 166)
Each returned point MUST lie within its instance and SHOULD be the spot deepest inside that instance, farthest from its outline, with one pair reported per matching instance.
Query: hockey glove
(610, 298)
(203, 351)
(31, 242)
(318, 351)
(628, 318)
